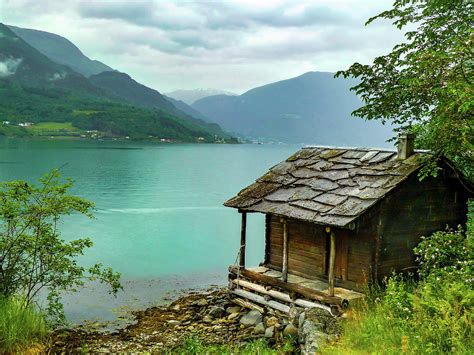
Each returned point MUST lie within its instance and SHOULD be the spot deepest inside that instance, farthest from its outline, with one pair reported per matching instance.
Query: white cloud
(57, 76)
(231, 45)
(9, 66)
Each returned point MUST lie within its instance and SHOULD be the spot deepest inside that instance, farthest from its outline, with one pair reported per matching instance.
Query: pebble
(233, 309)
(269, 332)
(259, 329)
(290, 330)
(201, 303)
(217, 312)
(233, 316)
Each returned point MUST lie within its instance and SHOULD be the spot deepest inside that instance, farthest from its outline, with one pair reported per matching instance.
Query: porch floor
(316, 285)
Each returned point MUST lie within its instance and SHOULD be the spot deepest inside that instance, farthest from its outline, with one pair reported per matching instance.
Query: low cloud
(231, 45)
(9, 66)
(57, 76)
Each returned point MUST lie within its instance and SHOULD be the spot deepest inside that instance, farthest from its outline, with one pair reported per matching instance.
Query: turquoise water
(159, 218)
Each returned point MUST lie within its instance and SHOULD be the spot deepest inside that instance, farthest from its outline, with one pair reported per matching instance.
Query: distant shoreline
(114, 139)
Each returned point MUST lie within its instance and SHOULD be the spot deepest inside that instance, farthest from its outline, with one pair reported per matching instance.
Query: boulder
(314, 326)
(251, 318)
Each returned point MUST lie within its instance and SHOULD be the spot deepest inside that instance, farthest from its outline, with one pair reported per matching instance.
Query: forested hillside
(35, 89)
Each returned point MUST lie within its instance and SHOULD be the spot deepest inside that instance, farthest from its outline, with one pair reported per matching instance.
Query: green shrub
(398, 298)
(470, 220)
(34, 257)
(20, 326)
(446, 255)
(434, 315)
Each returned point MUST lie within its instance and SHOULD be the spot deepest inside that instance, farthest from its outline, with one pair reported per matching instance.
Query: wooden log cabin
(337, 218)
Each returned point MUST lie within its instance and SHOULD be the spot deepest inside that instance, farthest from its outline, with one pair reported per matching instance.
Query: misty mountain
(190, 96)
(21, 63)
(187, 109)
(60, 50)
(314, 108)
(34, 88)
(122, 85)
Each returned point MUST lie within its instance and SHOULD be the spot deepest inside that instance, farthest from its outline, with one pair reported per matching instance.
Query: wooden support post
(284, 269)
(268, 223)
(243, 235)
(332, 262)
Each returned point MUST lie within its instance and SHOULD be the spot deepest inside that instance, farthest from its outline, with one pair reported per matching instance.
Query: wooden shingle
(329, 186)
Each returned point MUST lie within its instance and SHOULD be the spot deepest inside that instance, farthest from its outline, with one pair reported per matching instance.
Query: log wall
(384, 237)
(308, 247)
(417, 209)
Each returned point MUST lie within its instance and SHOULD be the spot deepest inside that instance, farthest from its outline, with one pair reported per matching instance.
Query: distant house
(337, 218)
(6, 123)
(25, 124)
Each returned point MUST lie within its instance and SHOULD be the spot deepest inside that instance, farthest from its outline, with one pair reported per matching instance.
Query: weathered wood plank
(259, 299)
(304, 291)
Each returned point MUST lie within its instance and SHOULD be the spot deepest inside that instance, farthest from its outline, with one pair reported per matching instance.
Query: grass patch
(20, 327)
(428, 317)
(193, 345)
(54, 129)
(84, 112)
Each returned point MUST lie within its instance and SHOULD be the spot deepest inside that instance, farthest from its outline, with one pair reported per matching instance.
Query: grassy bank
(193, 345)
(407, 318)
(431, 312)
(20, 328)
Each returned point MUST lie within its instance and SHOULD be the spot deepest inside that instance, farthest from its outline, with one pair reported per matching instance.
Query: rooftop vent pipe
(406, 145)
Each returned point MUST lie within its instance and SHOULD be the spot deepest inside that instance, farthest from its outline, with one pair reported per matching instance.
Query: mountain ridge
(33, 88)
(114, 82)
(60, 50)
(312, 108)
(190, 96)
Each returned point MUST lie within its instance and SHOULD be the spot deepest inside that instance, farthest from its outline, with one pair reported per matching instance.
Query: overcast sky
(228, 45)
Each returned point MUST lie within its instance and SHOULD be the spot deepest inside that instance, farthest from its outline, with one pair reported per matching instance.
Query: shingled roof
(329, 186)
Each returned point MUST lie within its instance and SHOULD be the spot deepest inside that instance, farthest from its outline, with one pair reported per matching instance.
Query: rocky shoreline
(212, 317)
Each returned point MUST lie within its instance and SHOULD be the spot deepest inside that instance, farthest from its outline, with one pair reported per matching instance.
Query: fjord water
(159, 218)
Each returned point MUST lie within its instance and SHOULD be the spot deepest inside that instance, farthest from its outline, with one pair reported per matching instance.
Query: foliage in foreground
(20, 326)
(433, 315)
(33, 257)
(431, 318)
(425, 84)
(193, 345)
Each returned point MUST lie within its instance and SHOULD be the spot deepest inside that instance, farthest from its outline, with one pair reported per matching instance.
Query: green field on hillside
(54, 129)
